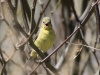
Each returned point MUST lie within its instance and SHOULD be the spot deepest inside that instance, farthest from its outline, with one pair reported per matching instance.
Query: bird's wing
(36, 35)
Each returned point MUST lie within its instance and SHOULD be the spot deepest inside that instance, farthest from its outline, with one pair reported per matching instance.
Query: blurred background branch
(76, 50)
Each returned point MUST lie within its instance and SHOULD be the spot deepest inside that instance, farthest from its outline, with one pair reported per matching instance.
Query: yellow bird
(46, 37)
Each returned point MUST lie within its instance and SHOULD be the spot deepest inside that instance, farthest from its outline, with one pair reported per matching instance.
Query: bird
(46, 37)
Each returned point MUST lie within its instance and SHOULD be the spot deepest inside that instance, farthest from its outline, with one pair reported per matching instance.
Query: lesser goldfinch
(46, 37)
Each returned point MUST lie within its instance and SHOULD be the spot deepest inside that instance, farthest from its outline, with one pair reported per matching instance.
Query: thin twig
(98, 25)
(98, 29)
(94, 52)
(33, 23)
(86, 10)
(27, 9)
(97, 17)
(83, 45)
(15, 6)
(78, 53)
(59, 1)
(3, 70)
(85, 19)
(24, 16)
(13, 46)
(74, 11)
(41, 4)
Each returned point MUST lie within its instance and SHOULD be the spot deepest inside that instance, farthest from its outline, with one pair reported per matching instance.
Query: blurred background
(76, 21)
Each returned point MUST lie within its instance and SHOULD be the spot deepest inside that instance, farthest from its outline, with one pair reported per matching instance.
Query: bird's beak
(47, 23)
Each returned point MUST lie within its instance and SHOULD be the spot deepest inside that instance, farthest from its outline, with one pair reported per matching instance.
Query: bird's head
(46, 23)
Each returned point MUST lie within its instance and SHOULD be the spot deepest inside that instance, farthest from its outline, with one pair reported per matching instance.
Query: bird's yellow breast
(45, 39)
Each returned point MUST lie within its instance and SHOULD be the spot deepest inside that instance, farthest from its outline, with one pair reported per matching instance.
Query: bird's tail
(33, 54)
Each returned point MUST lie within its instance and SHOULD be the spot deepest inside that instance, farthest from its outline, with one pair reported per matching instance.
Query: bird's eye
(43, 22)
